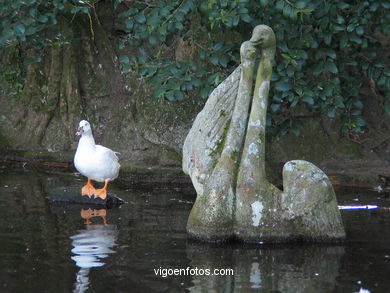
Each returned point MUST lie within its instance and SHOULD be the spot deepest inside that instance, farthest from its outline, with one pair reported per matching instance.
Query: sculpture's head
(264, 37)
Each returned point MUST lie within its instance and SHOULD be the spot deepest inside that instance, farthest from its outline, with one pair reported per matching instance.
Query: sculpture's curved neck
(236, 133)
(253, 159)
(264, 73)
(260, 100)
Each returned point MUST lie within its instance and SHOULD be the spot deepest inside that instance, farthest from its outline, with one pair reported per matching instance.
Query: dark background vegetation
(143, 69)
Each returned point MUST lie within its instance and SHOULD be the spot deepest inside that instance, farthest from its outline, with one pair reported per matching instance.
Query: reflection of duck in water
(87, 214)
(91, 245)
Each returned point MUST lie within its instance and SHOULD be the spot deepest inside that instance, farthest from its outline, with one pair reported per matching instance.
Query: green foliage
(33, 22)
(158, 24)
(326, 50)
(26, 28)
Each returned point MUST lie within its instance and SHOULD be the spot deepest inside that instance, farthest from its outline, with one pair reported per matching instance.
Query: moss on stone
(131, 168)
(221, 144)
(174, 156)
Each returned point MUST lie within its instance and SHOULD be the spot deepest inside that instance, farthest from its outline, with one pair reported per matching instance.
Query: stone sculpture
(224, 154)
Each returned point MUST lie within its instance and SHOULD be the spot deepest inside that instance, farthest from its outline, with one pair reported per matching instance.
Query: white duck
(96, 162)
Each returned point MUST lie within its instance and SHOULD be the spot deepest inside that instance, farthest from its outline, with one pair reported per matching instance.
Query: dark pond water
(46, 247)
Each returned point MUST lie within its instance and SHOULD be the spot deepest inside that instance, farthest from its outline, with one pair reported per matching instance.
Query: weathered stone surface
(309, 203)
(235, 199)
(218, 191)
(203, 145)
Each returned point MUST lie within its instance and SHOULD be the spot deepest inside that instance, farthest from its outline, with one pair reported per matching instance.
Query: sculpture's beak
(257, 41)
(80, 131)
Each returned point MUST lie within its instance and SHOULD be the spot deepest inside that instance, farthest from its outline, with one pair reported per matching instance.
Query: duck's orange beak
(80, 131)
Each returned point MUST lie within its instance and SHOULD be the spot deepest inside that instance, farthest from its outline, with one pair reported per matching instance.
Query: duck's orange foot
(88, 189)
(102, 192)
(88, 214)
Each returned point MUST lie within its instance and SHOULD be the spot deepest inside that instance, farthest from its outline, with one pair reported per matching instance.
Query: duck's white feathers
(95, 161)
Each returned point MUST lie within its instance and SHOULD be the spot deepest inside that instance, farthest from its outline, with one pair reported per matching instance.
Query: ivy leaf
(327, 39)
(124, 59)
(359, 121)
(343, 41)
(338, 102)
(343, 5)
(170, 96)
(339, 27)
(43, 19)
(279, 5)
(300, 4)
(358, 104)
(140, 18)
(179, 26)
(129, 23)
(340, 19)
(318, 69)
(223, 60)
(283, 86)
(275, 107)
(374, 6)
(264, 2)
(179, 96)
(360, 30)
(308, 100)
(331, 53)
(214, 59)
(218, 46)
(31, 30)
(354, 38)
(20, 29)
(205, 92)
(283, 131)
(330, 66)
(126, 68)
(246, 18)
(153, 40)
(164, 11)
(332, 112)
(351, 27)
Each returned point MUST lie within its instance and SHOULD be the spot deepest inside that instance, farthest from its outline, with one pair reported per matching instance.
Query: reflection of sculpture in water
(224, 154)
(307, 268)
(91, 245)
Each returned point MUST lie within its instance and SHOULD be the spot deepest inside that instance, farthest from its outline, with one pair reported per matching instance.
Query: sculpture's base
(196, 237)
(289, 239)
(305, 211)
(72, 195)
(211, 237)
(210, 234)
